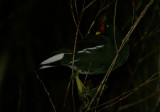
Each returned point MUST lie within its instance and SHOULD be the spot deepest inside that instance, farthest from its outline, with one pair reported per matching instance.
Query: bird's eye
(107, 26)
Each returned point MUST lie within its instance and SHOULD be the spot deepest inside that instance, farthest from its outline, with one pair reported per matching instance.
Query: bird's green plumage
(95, 53)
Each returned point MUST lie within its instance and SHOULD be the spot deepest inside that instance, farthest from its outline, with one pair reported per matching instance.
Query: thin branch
(74, 19)
(67, 90)
(89, 4)
(114, 25)
(73, 101)
(158, 90)
(20, 99)
(133, 11)
(87, 74)
(49, 96)
(140, 60)
(153, 33)
(136, 102)
(75, 5)
(125, 40)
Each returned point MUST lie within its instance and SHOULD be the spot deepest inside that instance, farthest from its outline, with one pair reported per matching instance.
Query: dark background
(31, 29)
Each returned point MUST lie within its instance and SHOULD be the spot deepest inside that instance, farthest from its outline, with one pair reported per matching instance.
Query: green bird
(93, 55)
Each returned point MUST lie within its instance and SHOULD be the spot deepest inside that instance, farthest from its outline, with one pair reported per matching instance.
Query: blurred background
(31, 29)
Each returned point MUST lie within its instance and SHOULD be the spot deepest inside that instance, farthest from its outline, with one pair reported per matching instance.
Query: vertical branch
(75, 5)
(49, 96)
(114, 25)
(20, 99)
(67, 90)
(74, 18)
(133, 11)
(158, 87)
(72, 76)
(87, 74)
(89, 4)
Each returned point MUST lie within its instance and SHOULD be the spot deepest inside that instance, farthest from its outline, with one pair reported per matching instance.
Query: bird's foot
(86, 96)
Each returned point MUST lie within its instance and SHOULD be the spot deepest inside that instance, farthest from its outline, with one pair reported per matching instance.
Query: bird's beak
(98, 32)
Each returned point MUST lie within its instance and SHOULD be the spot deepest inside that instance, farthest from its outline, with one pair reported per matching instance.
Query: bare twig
(158, 90)
(75, 5)
(87, 74)
(137, 102)
(114, 25)
(89, 4)
(49, 96)
(133, 11)
(140, 60)
(67, 90)
(153, 33)
(20, 99)
(74, 19)
(73, 101)
(125, 40)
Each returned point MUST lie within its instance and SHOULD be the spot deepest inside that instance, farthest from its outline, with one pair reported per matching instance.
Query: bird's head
(105, 29)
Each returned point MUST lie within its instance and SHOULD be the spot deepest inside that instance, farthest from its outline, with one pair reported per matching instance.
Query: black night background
(31, 30)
